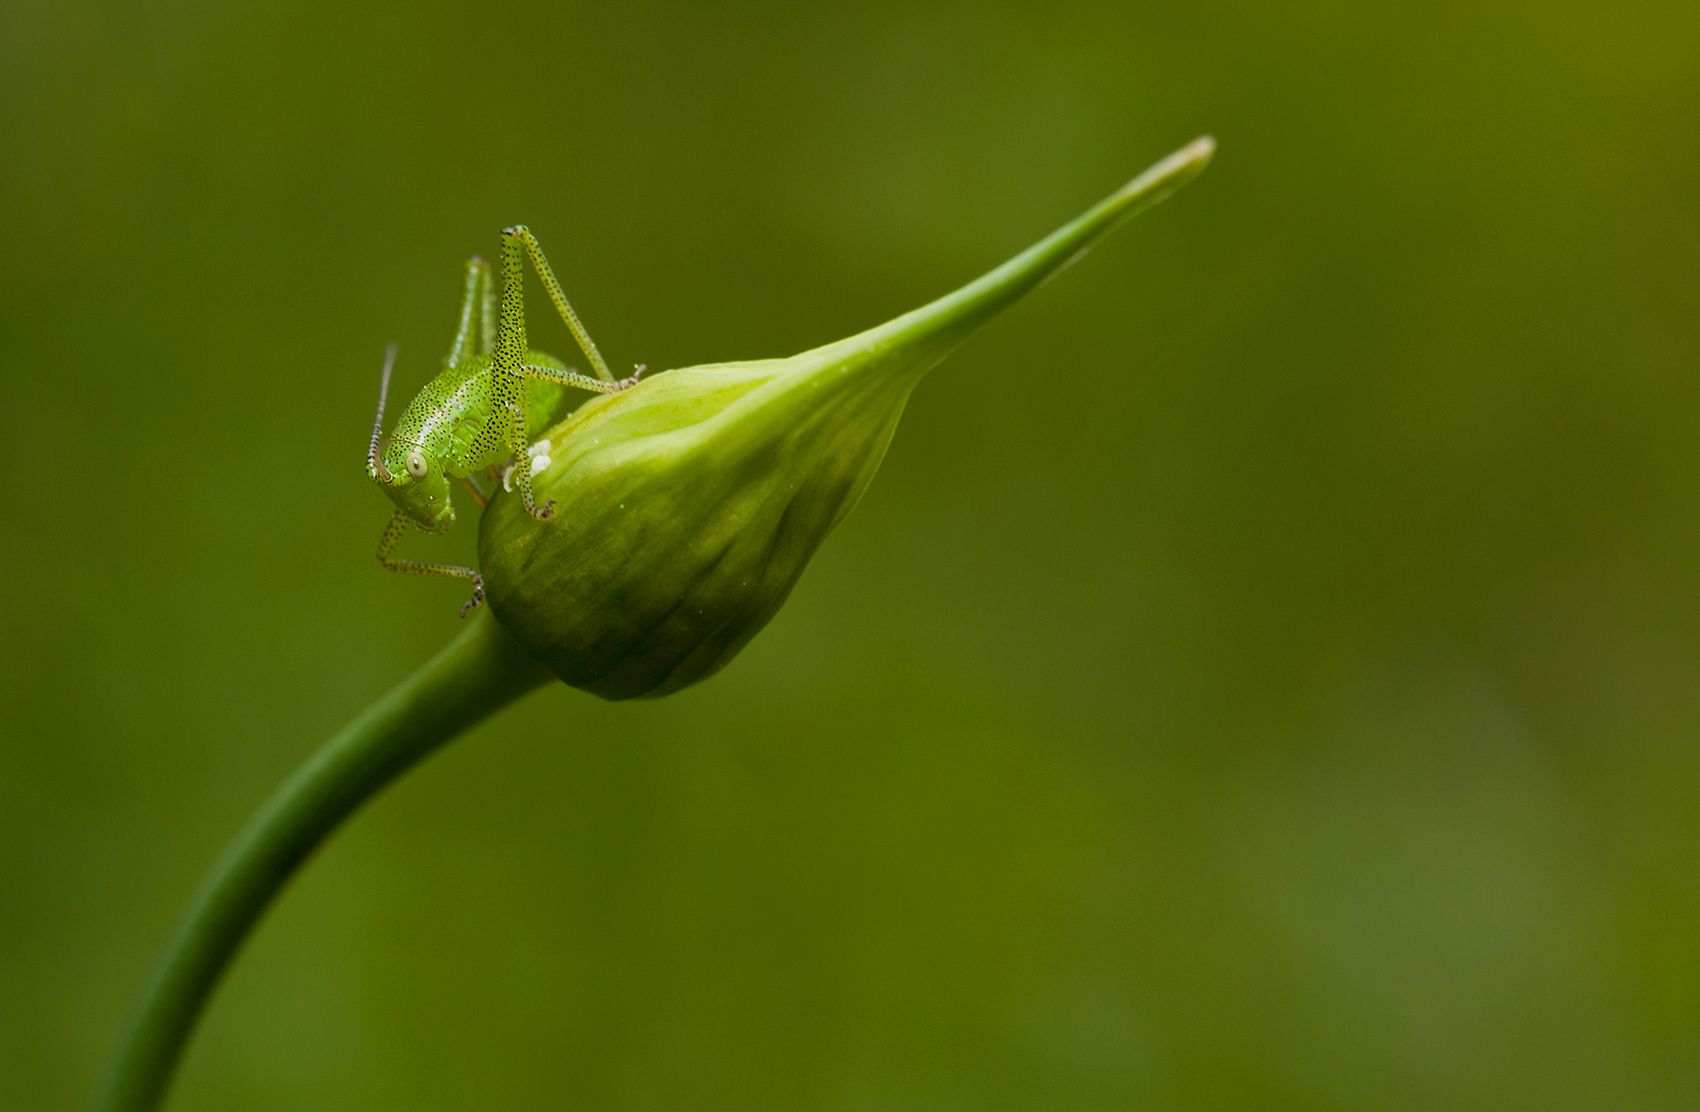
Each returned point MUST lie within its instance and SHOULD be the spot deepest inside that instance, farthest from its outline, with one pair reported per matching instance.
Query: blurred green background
(1266, 673)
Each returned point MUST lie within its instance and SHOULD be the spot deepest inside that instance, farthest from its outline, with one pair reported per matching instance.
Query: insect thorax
(449, 420)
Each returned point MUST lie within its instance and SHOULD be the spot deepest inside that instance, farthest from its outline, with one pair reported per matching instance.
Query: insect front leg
(399, 525)
(521, 473)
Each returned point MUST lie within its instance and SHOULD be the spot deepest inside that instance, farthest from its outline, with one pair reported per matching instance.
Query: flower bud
(687, 506)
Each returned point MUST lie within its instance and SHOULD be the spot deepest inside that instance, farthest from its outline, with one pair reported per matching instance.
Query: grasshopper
(493, 389)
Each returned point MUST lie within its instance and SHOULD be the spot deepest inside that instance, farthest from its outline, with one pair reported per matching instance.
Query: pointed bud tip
(1176, 170)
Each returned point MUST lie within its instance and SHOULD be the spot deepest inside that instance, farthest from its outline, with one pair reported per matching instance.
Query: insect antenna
(375, 466)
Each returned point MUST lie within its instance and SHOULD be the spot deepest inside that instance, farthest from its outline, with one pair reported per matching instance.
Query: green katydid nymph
(480, 409)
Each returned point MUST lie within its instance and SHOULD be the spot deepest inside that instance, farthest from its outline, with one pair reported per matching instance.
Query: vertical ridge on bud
(687, 507)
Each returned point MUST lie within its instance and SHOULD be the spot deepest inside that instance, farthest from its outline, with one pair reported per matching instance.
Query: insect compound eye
(416, 465)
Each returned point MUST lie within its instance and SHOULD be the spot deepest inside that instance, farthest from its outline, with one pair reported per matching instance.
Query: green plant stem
(475, 675)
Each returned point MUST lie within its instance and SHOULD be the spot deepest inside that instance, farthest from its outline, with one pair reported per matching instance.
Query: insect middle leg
(572, 378)
(399, 524)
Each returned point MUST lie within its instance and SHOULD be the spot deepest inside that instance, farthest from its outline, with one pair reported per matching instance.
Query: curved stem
(476, 674)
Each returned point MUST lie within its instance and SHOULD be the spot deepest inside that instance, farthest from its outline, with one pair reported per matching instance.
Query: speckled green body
(453, 422)
(449, 416)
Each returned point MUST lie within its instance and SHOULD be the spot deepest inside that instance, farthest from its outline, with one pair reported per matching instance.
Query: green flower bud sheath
(686, 509)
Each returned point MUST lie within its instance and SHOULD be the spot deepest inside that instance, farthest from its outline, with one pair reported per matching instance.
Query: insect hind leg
(475, 327)
(521, 236)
